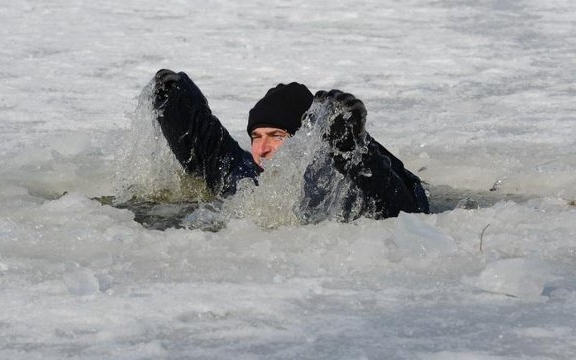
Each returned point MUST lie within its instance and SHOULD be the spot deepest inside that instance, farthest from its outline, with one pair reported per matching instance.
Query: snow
(472, 96)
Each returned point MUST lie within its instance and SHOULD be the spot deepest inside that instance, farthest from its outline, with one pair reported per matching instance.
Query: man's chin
(259, 163)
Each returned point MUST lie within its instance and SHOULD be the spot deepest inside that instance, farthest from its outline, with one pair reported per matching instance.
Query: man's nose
(264, 147)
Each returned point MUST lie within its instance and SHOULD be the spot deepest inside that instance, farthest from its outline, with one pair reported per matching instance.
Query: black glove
(346, 128)
(164, 80)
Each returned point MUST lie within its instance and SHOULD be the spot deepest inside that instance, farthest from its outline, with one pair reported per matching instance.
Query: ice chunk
(207, 217)
(417, 237)
(517, 277)
(81, 281)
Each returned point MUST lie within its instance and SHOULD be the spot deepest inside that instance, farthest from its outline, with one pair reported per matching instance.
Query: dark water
(155, 215)
(445, 198)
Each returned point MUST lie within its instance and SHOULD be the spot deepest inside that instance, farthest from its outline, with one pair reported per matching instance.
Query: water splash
(147, 169)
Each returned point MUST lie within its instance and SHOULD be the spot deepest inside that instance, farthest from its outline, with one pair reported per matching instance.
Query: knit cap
(282, 107)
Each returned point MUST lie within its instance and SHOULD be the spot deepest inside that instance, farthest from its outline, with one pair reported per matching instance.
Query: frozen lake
(476, 97)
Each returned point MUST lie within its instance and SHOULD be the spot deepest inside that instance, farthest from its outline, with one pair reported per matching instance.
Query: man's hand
(164, 80)
(346, 124)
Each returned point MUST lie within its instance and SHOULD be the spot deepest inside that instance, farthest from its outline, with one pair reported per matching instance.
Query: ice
(516, 277)
(80, 281)
(419, 237)
(477, 99)
(449, 355)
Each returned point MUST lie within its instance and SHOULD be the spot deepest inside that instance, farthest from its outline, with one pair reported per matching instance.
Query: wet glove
(164, 80)
(346, 124)
(345, 129)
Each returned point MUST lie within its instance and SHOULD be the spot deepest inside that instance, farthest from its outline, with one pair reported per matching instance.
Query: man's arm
(196, 137)
(380, 176)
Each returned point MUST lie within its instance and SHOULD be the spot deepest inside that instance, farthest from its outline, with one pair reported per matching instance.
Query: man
(355, 175)
(275, 117)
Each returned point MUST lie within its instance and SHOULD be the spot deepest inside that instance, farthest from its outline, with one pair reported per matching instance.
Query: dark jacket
(378, 186)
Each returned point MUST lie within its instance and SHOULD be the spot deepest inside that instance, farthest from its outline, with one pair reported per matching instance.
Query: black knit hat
(282, 107)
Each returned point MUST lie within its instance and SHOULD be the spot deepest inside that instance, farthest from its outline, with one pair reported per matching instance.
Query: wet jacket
(378, 186)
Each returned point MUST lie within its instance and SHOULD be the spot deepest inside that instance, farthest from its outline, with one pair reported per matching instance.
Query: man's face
(265, 142)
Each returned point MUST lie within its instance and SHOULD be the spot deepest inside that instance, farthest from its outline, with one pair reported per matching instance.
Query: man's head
(275, 117)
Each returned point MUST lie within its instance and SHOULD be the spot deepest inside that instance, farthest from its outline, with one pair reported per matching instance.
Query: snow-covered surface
(472, 95)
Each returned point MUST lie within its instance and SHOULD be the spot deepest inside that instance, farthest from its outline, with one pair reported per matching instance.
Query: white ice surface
(469, 94)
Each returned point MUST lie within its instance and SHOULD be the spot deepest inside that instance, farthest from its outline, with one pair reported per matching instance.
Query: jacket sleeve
(381, 177)
(196, 137)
